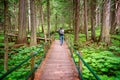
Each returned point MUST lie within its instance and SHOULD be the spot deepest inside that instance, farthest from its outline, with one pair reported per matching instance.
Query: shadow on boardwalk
(58, 64)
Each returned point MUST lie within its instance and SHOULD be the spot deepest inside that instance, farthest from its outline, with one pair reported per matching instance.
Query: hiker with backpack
(61, 34)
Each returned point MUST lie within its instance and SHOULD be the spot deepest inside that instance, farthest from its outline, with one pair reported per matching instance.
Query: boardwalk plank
(58, 64)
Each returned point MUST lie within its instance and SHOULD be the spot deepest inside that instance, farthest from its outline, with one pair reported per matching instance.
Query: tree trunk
(93, 13)
(98, 16)
(10, 26)
(48, 17)
(29, 20)
(42, 20)
(70, 19)
(77, 26)
(6, 23)
(33, 40)
(56, 17)
(73, 15)
(16, 16)
(22, 34)
(85, 19)
(76, 20)
(105, 36)
(118, 14)
(37, 18)
(82, 20)
(113, 19)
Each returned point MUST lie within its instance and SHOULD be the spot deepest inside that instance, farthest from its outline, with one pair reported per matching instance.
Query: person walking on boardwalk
(61, 33)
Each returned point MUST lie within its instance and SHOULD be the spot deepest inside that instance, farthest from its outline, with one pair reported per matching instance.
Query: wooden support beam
(13, 37)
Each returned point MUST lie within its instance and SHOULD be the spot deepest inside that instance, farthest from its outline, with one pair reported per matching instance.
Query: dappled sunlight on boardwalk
(57, 65)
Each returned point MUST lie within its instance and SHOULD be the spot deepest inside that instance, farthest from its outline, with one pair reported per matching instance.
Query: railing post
(94, 74)
(72, 51)
(52, 38)
(80, 64)
(32, 66)
(45, 49)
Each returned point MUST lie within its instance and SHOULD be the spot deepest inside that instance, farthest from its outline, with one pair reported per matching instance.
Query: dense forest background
(91, 26)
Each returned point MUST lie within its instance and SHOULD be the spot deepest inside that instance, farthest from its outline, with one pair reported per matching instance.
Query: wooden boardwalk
(58, 64)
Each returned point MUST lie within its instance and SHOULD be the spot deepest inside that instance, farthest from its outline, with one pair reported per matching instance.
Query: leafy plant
(114, 49)
(101, 60)
(19, 55)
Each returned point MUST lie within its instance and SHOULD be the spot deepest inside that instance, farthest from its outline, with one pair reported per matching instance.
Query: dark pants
(61, 39)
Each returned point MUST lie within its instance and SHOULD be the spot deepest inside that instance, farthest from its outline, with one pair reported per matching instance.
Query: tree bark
(6, 23)
(76, 20)
(16, 16)
(93, 13)
(42, 20)
(56, 23)
(113, 18)
(22, 34)
(33, 40)
(48, 17)
(73, 15)
(85, 19)
(82, 20)
(105, 36)
(98, 16)
(118, 14)
(29, 19)
(77, 26)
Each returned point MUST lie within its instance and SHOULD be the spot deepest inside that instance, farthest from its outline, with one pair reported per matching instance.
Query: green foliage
(116, 42)
(105, 77)
(101, 59)
(75, 57)
(98, 31)
(103, 62)
(1, 11)
(1, 44)
(114, 49)
(56, 36)
(87, 74)
(40, 34)
(1, 38)
(116, 37)
(82, 38)
(18, 55)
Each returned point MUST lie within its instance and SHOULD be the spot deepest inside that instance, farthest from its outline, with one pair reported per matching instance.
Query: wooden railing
(80, 60)
(46, 47)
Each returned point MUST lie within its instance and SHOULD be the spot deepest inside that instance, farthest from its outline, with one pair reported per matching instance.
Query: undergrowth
(16, 56)
(104, 60)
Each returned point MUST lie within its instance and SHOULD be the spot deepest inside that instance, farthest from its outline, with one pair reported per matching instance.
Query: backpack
(61, 31)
